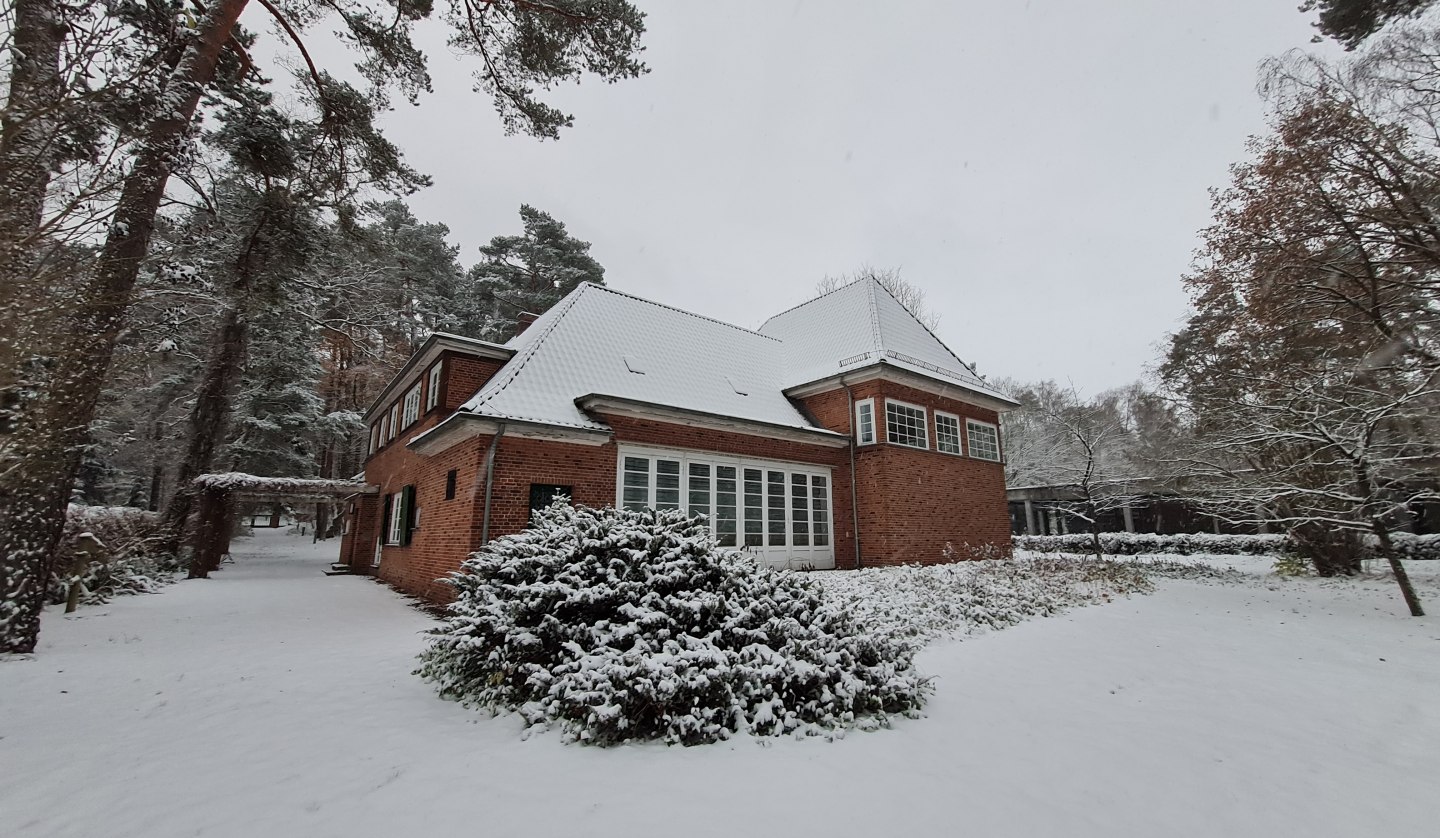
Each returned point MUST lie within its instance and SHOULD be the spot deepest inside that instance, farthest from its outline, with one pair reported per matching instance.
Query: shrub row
(1186, 544)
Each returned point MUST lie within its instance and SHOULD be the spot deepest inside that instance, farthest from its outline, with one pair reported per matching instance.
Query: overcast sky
(1039, 168)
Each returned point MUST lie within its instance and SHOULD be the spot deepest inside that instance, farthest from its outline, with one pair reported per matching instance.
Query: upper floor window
(383, 436)
(374, 438)
(412, 406)
(905, 424)
(432, 386)
(984, 440)
(394, 421)
(947, 433)
(865, 421)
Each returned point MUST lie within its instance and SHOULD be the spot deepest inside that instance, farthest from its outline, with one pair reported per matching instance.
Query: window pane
(799, 510)
(775, 506)
(667, 484)
(699, 489)
(754, 504)
(820, 506)
(865, 427)
(947, 433)
(984, 441)
(905, 425)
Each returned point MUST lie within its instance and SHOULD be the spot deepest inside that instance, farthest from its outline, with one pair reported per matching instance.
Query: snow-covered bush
(110, 551)
(619, 625)
(925, 602)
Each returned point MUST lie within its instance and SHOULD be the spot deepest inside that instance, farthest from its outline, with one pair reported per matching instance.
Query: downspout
(854, 496)
(490, 482)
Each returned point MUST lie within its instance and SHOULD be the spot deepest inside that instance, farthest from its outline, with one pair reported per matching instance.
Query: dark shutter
(385, 520)
(407, 513)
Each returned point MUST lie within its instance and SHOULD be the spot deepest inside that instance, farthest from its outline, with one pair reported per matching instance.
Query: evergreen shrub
(617, 625)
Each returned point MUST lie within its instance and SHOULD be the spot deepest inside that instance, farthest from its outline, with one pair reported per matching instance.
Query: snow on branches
(619, 625)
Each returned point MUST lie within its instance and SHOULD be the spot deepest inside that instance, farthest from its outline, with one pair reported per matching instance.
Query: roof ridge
(814, 299)
(618, 292)
(534, 345)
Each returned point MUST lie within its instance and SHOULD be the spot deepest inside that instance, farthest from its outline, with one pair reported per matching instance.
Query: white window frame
(392, 533)
(861, 408)
(394, 420)
(779, 555)
(432, 386)
(384, 431)
(970, 439)
(959, 440)
(412, 406)
(374, 437)
(924, 424)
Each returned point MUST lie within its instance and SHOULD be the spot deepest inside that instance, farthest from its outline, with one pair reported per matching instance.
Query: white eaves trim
(890, 372)
(462, 426)
(618, 406)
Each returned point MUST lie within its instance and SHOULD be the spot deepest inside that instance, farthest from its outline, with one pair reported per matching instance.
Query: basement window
(905, 424)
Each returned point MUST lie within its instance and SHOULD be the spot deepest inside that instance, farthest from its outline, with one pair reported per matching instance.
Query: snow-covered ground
(274, 701)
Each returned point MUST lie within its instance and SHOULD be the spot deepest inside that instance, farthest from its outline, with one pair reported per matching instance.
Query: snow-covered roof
(599, 341)
(859, 325)
(599, 345)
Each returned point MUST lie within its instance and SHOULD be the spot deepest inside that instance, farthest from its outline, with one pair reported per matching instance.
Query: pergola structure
(218, 494)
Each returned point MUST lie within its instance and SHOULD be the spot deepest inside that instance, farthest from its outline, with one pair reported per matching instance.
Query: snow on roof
(859, 325)
(601, 342)
(615, 344)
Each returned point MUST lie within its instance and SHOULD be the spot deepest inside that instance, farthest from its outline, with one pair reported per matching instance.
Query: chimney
(523, 320)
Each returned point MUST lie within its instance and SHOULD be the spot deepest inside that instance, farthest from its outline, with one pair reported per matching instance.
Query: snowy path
(274, 701)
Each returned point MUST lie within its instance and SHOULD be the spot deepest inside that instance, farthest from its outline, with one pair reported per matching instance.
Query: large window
(984, 440)
(865, 421)
(432, 386)
(779, 511)
(947, 433)
(905, 424)
(412, 406)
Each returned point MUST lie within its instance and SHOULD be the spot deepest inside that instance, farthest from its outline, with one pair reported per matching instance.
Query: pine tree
(527, 273)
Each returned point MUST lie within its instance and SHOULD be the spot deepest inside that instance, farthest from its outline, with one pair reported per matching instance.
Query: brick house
(842, 433)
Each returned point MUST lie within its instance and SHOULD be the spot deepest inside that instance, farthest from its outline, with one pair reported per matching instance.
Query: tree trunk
(1397, 567)
(207, 419)
(212, 533)
(32, 501)
(27, 157)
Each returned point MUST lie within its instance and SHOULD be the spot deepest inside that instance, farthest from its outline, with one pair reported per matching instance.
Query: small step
(339, 566)
(342, 570)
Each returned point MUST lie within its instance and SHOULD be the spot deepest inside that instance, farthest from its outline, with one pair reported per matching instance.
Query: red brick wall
(913, 502)
(357, 545)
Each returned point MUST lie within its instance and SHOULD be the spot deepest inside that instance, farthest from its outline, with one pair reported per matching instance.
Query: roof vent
(744, 391)
(633, 365)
